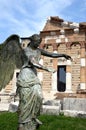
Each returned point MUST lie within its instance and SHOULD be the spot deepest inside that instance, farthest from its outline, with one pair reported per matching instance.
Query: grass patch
(9, 121)
(62, 123)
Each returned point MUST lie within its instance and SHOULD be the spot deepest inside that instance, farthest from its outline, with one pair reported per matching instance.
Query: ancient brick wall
(76, 66)
(47, 76)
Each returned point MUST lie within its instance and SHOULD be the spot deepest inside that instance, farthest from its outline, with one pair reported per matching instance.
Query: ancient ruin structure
(60, 36)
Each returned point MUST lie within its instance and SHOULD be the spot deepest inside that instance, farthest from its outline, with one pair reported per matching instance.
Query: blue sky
(26, 17)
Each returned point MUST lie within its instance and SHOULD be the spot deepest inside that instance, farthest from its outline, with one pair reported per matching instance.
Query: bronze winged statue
(12, 56)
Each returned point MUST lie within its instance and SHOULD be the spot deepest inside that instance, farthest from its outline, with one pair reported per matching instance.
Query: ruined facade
(60, 36)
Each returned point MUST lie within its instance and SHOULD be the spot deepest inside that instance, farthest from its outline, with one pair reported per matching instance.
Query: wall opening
(61, 78)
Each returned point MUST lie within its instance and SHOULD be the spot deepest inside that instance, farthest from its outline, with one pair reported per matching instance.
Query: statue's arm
(36, 64)
(54, 55)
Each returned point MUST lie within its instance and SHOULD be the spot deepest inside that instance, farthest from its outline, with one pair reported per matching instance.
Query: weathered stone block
(77, 104)
(50, 110)
(71, 113)
(13, 106)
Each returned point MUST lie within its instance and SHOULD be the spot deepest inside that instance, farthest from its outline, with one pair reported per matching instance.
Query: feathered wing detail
(11, 57)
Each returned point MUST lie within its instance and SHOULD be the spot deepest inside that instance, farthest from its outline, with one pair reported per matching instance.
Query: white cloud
(26, 17)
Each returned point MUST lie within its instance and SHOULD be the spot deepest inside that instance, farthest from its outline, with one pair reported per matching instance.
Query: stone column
(68, 71)
(68, 79)
(54, 75)
(83, 64)
(55, 59)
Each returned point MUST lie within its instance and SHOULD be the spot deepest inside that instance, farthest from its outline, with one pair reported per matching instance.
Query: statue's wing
(11, 57)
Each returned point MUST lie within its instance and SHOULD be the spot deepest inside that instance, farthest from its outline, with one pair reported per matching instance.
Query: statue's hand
(51, 70)
(67, 57)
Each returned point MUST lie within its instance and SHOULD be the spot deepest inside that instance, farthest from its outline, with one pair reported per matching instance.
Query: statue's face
(36, 40)
(36, 43)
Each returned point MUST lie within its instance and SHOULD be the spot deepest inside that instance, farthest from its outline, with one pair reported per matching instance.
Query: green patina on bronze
(10, 59)
(12, 56)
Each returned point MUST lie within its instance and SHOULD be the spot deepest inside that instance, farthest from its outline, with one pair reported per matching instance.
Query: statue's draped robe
(30, 94)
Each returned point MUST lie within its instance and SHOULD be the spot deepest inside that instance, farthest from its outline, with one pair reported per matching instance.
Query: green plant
(9, 121)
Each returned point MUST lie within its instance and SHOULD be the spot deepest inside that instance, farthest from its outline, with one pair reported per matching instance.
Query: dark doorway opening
(61, 78)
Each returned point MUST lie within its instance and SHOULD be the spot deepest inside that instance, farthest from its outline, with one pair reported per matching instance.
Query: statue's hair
(35, 37)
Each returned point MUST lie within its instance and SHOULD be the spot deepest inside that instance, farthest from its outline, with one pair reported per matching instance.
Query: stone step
(50, 110)
(4, 106)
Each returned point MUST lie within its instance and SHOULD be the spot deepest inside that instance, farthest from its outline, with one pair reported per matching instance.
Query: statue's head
(35, 40)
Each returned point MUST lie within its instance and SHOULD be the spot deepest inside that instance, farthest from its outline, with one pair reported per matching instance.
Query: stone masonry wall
(47, 76)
